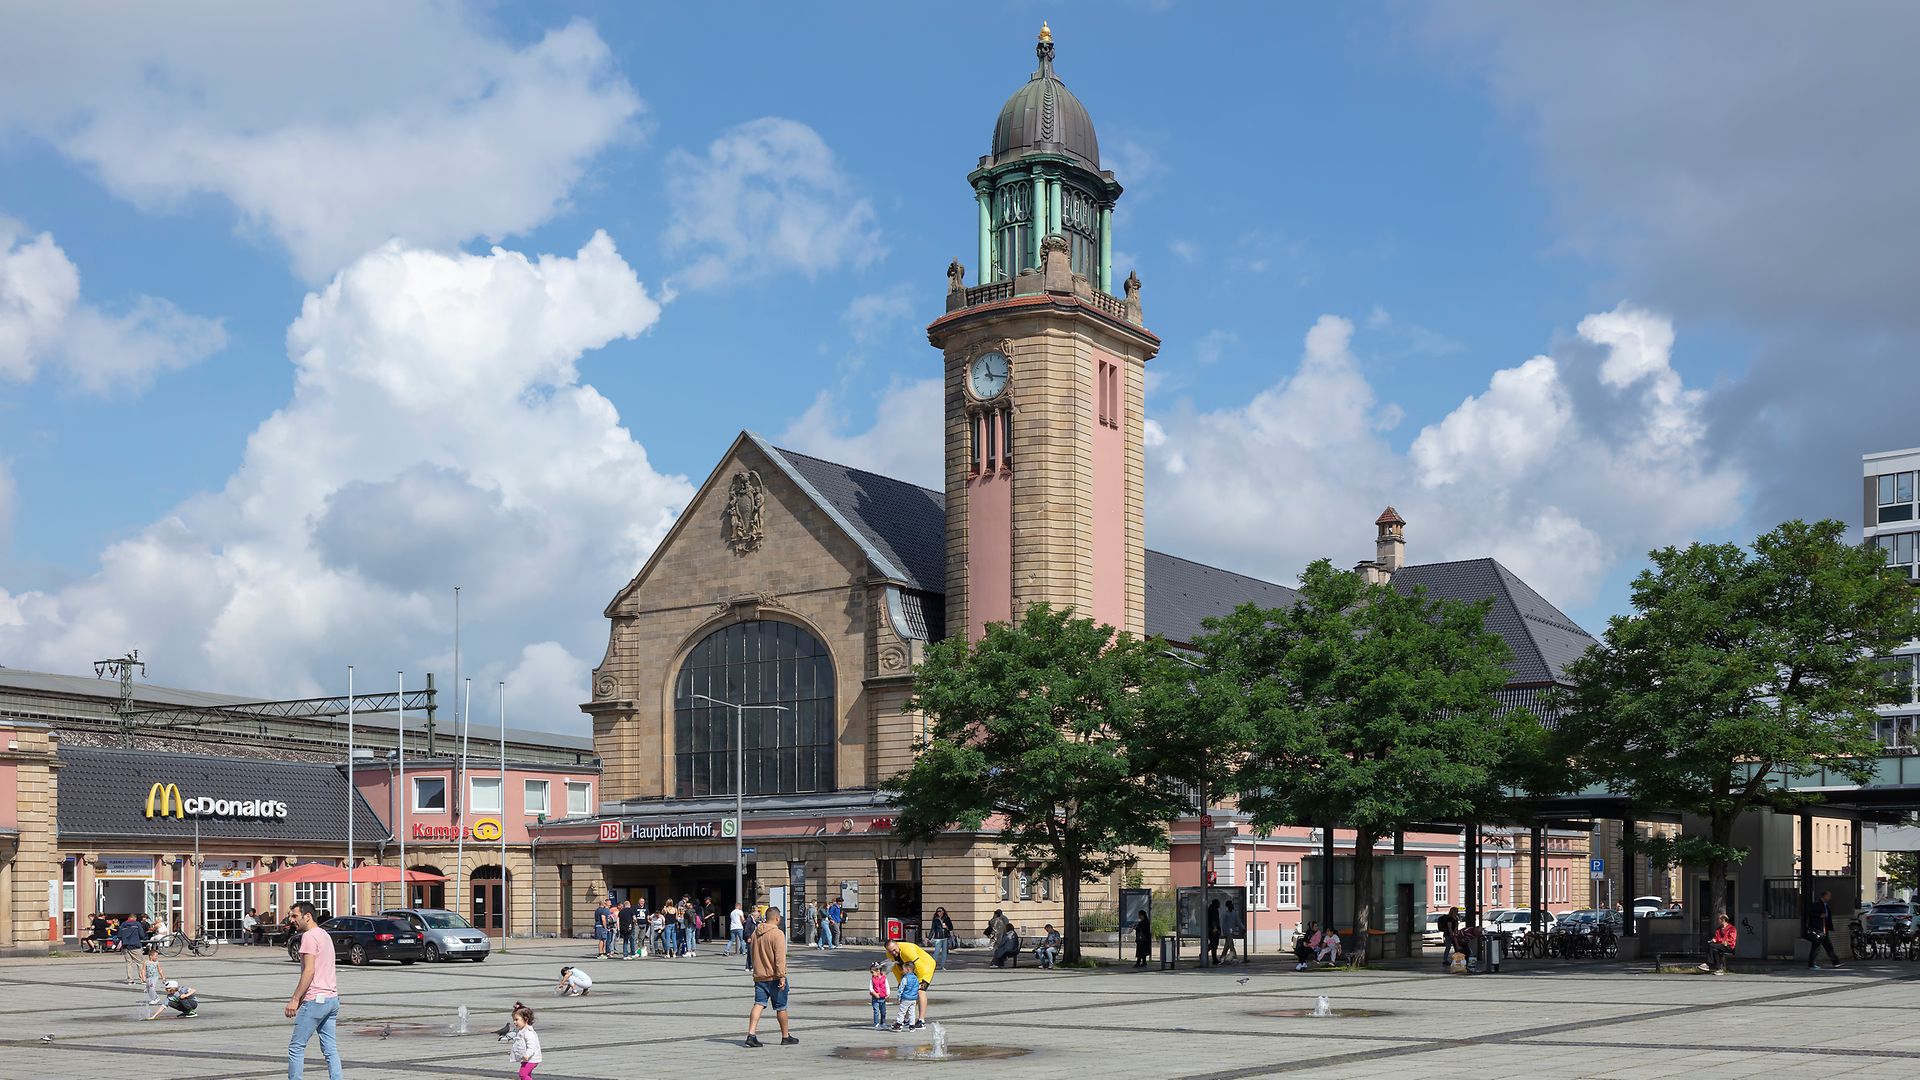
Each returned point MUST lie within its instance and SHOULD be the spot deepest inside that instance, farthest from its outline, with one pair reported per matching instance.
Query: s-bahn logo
(165, 799)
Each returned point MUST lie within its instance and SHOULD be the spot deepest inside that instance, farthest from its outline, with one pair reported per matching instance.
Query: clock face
(988, 375)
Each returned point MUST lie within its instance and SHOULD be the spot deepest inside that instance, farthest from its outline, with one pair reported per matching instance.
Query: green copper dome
(1044, 117)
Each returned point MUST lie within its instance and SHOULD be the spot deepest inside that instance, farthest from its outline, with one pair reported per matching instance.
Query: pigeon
(386, 1030)
(47, 1037)
(1243, 981)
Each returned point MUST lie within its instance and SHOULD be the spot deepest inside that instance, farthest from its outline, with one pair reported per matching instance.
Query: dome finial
(1045, 50)
(1046, 34)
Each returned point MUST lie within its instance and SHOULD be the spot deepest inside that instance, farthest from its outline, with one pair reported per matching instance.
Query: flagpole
(400, 755)
(457, 803)
(460, 823)
(503, 817)
(353, 899)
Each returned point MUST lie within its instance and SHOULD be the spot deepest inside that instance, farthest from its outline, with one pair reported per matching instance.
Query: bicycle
(199, 945)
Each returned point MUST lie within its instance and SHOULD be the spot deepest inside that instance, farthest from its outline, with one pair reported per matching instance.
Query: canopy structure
(338, 875)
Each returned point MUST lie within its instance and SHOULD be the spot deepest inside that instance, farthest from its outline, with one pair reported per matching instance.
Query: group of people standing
(626, 930)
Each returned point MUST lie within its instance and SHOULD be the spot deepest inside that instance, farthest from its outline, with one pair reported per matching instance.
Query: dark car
(358, 939)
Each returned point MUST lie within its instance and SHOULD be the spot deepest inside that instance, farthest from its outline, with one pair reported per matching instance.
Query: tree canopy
(1370, 708)
(1735, 671)
(1038, 733)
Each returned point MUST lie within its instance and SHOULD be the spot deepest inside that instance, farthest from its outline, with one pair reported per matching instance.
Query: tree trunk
(1362, 893)
(1070, 897)
(1718, 880)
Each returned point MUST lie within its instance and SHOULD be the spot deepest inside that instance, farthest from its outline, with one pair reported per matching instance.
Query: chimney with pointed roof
(1390, 545)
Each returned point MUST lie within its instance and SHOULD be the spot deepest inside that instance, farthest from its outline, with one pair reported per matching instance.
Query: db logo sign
(610, 832)
(487, 829)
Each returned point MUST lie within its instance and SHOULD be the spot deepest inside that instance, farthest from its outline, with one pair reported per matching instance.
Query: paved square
(685, 1018)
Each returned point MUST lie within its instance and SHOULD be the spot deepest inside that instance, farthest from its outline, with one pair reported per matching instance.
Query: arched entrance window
(426, 894)
(489, 899)
(789, 749)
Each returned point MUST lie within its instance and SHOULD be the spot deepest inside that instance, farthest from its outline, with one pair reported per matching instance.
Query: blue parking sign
(1598, 868)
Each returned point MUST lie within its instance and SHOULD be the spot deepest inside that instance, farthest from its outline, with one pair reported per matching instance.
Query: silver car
(448, 936)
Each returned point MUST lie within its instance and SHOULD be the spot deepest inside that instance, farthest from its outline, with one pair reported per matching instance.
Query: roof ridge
(854, 469)
(1500, 577)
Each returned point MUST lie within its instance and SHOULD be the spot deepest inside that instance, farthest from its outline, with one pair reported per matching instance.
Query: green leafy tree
(1736, 671)
(1901, 869)
(1033, 735)
(1370, 708)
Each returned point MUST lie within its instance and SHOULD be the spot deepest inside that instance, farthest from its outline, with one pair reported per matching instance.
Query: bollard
(1169, 952)
(1496, 945)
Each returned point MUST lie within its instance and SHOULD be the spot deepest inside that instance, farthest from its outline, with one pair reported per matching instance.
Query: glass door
(222, 901)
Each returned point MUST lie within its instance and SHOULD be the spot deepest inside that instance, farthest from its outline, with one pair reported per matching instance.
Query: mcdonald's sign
(168, 796)
(166, 799)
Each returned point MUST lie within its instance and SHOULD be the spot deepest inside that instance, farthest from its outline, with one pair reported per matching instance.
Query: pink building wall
(1109, 498)
(376, 784)
(989, 551)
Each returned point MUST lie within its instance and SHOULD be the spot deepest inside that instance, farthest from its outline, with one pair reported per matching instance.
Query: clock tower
(1045, 381)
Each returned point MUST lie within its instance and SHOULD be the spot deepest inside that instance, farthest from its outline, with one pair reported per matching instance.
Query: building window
(784, 677)
(536, 798)
(1896, 497)
(1006, 883)
(1013, 234)
(1025, 880)
(1257, 886)
(486, 794)
(430, 794)
(1900, 549)
(1046, 888)
(1286, 892)
(1440, 875)
(579, 799)
(317, 893)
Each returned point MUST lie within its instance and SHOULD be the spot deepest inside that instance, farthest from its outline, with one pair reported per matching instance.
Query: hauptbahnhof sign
(723, 829)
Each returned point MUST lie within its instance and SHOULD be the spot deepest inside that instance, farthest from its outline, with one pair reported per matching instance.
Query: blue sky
(1560, 285)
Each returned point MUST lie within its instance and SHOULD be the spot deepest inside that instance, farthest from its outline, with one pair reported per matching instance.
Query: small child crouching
(525, 1049)
(877, 990)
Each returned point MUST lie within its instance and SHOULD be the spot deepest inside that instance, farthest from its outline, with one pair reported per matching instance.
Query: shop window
(430, 794)
(486, 794)
(536, 797)
(579, 799)
(317, 893)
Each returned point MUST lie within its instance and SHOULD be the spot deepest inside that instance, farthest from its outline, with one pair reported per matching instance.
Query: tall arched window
(788, 749)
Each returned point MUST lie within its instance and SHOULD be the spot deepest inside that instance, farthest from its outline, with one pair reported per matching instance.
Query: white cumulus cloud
(45, 323)
(330, 128)
(903, 442)
(767, 196)
(437, 435)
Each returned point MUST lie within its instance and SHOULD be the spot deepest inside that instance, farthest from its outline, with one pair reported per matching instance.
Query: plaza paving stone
(652, 1018)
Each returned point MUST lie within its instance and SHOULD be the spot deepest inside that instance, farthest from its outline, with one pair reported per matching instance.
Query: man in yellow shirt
(905, 954)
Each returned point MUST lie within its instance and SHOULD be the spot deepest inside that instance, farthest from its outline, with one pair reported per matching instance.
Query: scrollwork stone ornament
(746, 512)
(605, 687)
(893, 658)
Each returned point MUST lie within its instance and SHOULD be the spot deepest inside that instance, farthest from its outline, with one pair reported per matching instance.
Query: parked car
(1644, 906)
(1430, 930)
(362, 939)
(446, 934)
(1513, 921)
(1889, 915)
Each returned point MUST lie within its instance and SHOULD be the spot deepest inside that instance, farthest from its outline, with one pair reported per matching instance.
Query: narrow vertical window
(992, 440)
(978, 437)
(1006, 438)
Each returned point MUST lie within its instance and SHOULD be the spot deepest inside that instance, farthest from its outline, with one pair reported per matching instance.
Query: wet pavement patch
(1332, 1014)
(924, 1053)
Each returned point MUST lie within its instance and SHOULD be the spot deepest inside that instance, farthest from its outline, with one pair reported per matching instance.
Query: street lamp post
(739, 788)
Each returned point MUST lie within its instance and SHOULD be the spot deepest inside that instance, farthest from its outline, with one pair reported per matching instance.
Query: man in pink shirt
(315, 1003)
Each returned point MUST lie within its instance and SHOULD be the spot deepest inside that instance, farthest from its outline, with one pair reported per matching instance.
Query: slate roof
(1543, 639)
(103, 793)
(1181, 593)
(904, 528)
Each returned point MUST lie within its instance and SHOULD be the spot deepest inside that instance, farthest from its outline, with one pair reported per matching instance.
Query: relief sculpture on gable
(746, 512)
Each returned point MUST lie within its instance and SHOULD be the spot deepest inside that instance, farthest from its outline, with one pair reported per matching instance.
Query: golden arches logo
(487, 829)
(168, 796)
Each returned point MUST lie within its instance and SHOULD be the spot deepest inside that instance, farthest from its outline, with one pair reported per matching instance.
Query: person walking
(830, 924)
(524, 1050)
(736, 930)
(1820, 930)
(1231, 928)
(877, 993)
(151, 973)
(315, 1004)
(940, 933)
(768, 954)
(1448, 925)
(1142, 939)
(749, 922)
(1213, 930)
(1725, 938)
(132, 936)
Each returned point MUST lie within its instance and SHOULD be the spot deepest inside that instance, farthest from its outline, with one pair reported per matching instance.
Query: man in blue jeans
(767, 952)
(830, 923)
(315, 1004)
